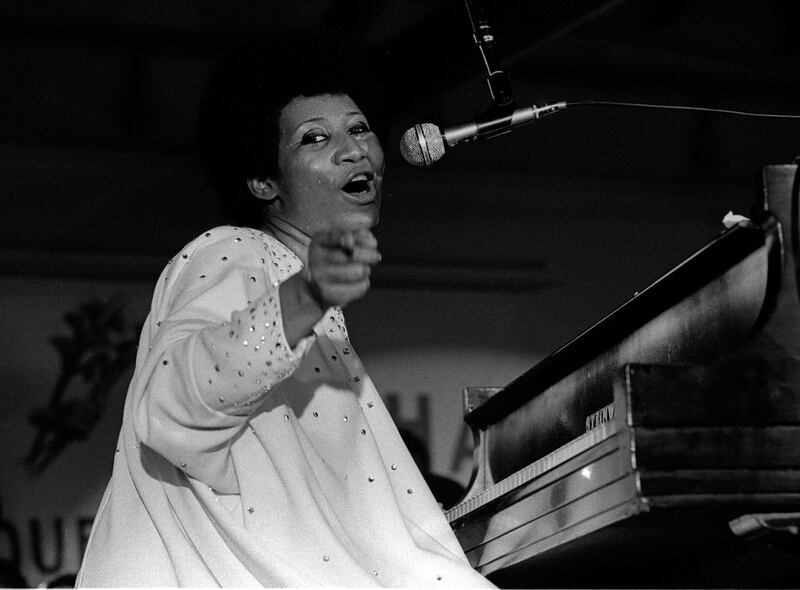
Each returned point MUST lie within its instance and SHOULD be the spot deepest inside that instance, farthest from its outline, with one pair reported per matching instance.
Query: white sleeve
(218, 347)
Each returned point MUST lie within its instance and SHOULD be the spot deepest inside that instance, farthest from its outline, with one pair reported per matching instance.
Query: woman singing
(254, 447)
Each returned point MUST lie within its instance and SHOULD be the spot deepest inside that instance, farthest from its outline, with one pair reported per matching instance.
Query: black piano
(661, 447)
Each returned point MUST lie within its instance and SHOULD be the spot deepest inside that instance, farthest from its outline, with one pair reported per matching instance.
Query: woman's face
(330, 163)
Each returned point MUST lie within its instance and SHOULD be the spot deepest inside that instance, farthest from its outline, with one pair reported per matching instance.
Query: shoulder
(223, 264)
(237, 241)
(237, 245)
(225, 251)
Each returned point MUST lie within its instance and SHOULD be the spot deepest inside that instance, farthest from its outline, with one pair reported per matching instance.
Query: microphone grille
(422, 144)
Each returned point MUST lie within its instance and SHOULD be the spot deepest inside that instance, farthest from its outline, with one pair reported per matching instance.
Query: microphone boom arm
(484, 37)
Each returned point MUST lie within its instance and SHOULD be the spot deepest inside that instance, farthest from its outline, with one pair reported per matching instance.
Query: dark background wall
(99, 103)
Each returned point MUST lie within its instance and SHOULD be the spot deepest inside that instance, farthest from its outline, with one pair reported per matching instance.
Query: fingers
(334, 266)
(357, 245)
(342, 293)
(364, 237)
(347, 239)
(358, 254)
(348, 273)
(340, 263)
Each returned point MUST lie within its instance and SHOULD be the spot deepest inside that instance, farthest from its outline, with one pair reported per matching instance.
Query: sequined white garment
(242, 462)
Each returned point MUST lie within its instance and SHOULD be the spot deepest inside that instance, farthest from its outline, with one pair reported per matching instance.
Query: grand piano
(661, 447)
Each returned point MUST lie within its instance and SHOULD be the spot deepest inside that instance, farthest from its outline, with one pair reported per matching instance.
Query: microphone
(424, 143)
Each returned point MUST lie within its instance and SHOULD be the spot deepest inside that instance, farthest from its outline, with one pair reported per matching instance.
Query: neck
(290, 236)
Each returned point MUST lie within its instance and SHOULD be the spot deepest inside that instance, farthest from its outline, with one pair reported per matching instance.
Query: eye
(359, 129)
(313, 137)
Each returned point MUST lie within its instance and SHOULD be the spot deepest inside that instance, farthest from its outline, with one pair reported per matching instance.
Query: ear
(264, 189)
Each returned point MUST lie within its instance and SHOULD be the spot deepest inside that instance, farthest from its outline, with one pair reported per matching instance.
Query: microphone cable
(642, 105)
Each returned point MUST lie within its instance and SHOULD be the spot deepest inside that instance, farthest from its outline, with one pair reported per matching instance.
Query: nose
(349, 149)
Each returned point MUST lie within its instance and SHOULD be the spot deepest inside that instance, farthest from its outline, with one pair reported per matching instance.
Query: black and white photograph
(402, 293)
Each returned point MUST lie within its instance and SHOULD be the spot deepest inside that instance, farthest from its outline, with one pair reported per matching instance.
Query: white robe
(242, 462)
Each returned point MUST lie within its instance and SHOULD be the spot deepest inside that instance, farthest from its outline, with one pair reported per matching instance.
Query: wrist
(310, 292)
(300, 310)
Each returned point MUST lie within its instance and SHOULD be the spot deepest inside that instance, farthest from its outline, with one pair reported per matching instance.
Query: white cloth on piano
(242, 462)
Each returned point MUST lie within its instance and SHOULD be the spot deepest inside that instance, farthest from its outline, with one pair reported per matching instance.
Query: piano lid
(705, 265)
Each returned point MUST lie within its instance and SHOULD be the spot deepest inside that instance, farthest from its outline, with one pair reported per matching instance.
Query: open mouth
(359, 184)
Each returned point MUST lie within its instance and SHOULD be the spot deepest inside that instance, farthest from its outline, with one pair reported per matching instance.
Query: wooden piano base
(663, 548)
(646, 500)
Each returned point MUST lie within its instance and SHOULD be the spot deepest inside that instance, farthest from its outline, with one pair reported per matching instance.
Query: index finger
(364, 237)
(335, 238)
(347, 232)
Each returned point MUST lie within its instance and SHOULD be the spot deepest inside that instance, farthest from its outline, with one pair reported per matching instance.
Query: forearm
(300, 309)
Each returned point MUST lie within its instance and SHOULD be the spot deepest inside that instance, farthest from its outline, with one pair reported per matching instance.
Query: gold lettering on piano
(600, 417)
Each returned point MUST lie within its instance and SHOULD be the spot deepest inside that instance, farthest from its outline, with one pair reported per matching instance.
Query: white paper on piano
(732, 219)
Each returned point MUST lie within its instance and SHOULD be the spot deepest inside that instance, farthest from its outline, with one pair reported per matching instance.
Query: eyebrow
(317, 119)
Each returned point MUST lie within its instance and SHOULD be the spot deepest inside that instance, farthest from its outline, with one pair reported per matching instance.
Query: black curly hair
(237, 128)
